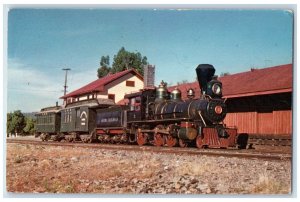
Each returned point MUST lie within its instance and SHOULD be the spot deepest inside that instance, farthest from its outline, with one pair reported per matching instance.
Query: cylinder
(187, 131)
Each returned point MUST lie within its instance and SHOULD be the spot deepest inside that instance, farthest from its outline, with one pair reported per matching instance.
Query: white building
(112, 86)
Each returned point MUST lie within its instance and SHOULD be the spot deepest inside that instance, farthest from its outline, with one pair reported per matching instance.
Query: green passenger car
(48, 121)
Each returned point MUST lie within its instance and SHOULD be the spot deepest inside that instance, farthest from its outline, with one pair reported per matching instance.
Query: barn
(259, 101)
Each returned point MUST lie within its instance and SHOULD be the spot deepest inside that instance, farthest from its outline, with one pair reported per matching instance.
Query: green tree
(126, 60)
(15, 122)
(122, 61)
(30, 126)
(104, 62)
(9, 127)
(103, 71)
(104, 68)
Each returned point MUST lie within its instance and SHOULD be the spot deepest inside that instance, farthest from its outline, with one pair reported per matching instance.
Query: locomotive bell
(190, 93)
(161, 92)
(176, 95)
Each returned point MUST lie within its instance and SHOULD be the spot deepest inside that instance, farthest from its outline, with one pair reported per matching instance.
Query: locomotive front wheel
(171, 141)
(158, 140)
(182, 143)
(199, 142)
(141, 139)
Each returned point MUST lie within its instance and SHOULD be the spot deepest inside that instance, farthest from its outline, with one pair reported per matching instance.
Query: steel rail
(170, 150)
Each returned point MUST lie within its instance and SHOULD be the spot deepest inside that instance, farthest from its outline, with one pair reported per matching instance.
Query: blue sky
(43, 41)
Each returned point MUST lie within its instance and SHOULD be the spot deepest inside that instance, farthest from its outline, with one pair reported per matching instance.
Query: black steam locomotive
(152, 116)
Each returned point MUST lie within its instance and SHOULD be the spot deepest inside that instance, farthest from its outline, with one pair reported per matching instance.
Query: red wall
(275, 122)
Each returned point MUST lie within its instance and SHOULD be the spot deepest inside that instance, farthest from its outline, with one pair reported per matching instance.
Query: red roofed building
(112, 86)
(272, 80)
(259, 101)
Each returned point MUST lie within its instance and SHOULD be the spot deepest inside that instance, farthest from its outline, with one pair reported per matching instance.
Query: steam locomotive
(152, 116)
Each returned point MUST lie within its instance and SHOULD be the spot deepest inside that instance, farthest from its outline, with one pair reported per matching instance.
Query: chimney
(205, 73)
(56, 104)
(149, 76)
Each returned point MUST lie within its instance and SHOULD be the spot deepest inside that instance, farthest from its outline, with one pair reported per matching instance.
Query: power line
(20, 89)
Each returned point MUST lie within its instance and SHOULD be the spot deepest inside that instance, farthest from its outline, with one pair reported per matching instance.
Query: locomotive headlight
(216, 88)
(218, 109)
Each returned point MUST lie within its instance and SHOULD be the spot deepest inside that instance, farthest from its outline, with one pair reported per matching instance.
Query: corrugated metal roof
(254, 82)
(98, 85)
(259, 81)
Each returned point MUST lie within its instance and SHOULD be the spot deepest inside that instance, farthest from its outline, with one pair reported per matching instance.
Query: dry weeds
(49, 169)
(268, 185)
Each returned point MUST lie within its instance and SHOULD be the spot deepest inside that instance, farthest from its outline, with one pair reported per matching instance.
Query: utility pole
(66, 76)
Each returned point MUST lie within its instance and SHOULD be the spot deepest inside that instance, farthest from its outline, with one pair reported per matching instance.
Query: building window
(111, 97)
(130, 83)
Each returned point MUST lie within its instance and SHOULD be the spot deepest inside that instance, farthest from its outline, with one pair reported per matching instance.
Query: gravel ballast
(55, 169)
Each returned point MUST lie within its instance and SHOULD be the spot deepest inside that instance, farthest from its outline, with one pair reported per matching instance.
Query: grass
(70, 188)
(18, 159)
(267, 185)
(189, 168)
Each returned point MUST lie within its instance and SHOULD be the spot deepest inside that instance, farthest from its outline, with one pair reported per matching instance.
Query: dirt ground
(54, 169)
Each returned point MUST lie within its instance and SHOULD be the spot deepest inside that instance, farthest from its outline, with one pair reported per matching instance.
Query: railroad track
(272, 140)
(271, 155)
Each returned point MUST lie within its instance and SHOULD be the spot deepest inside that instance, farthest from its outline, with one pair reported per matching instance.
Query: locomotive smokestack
(205, 73)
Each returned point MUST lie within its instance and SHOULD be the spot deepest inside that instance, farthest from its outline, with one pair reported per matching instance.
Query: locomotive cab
(140, 104)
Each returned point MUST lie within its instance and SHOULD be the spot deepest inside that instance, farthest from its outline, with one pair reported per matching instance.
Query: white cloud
(77, 79)
(30, 88)
(30, 80)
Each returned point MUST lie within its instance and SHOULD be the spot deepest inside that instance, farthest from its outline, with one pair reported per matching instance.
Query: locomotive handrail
(159, 120)
(202, 118)
(208, 96)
